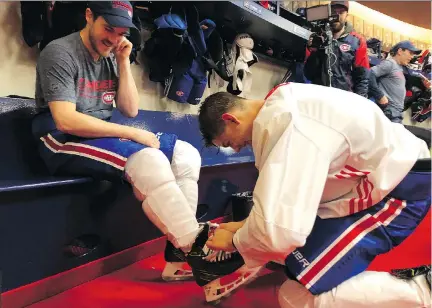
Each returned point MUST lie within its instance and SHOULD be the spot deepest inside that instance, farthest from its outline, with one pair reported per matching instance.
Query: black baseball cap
(406, 45)
(116, 13)
(341, 3)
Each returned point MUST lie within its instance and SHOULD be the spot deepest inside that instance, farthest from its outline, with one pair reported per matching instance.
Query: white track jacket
(319, 151)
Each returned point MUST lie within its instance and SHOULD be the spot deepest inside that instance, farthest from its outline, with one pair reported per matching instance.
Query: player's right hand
(383, 100)
(145, 137)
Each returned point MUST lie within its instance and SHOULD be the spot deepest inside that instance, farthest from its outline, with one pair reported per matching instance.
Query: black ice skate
(218, 272)
(176, 268)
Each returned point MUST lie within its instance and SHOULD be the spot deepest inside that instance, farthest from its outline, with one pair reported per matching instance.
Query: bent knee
(148, 169)
(186, 160)
(147, 157)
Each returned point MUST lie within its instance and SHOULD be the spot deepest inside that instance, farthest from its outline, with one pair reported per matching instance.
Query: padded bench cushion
(20, 165)
(186, 127)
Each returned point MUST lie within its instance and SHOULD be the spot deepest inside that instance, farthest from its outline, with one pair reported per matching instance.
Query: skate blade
(178, 278)
(215, 300)
(174, 271)
(225, 296)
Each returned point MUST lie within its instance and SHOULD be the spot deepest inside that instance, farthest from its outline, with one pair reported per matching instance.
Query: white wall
(17, 70)
(17, 61)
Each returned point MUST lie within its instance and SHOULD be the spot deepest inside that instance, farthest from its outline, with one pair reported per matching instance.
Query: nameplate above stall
(186, 127)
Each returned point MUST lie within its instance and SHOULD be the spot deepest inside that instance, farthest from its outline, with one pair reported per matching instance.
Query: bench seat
(40, 182)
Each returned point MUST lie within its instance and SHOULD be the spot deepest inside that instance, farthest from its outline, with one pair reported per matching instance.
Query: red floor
(140, 285)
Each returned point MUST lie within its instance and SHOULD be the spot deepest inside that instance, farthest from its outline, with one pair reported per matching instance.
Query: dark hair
(394, 51)
(210, 114)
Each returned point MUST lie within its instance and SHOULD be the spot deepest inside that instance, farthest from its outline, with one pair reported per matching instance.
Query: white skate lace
(215, 256)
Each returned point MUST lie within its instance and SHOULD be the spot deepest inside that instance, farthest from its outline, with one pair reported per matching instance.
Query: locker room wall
(18, 63)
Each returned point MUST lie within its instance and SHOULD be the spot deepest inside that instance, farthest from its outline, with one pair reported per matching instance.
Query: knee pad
(148, 169)
(186, 161)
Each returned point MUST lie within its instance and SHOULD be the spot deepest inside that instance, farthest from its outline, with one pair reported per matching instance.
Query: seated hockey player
(78, 79)
(338, 185)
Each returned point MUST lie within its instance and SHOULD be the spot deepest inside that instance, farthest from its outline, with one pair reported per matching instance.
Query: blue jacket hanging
(176, 51)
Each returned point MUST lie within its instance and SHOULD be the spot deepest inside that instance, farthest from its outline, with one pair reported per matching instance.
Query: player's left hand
(221, 240)
(123, 50)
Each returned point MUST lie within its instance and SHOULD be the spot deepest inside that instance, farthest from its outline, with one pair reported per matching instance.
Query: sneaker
(218, 272)
(176, 268)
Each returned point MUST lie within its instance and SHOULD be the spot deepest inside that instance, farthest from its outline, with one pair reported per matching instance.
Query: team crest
(108, 97)
(345, 47)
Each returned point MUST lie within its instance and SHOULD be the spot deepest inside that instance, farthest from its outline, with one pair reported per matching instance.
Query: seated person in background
(349, 59)
(337, 186)
(79, 77)
(387, 80)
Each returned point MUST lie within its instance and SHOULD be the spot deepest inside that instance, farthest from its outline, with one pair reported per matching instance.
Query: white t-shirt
(319, 151)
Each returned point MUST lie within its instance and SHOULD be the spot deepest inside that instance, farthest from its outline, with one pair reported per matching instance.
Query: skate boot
(176, 268)
(218, 272)
(410, 273)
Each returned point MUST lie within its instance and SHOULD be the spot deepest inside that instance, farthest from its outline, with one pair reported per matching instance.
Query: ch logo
(108, 97)
(345, 47)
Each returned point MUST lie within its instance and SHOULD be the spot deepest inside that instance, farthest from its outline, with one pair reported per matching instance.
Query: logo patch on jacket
(345, 47)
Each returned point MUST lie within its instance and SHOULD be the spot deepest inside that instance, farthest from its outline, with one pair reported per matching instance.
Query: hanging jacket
(244, 58)
(176, 54)
(32, 17)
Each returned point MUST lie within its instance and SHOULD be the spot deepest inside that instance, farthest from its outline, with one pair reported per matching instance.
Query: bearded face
(342, 12)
